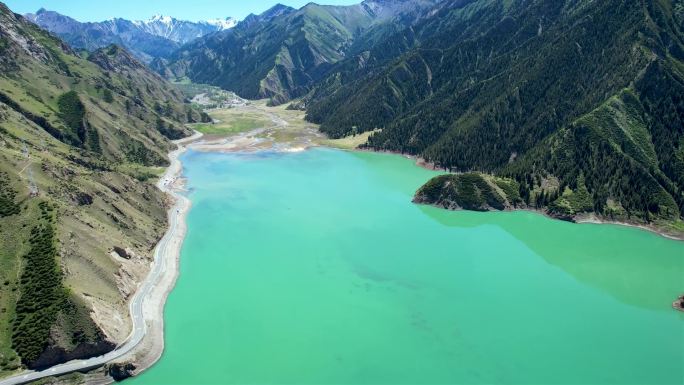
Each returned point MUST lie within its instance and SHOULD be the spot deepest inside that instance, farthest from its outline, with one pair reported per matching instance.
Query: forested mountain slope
(78, 140)
(564, 96)
(283, 52)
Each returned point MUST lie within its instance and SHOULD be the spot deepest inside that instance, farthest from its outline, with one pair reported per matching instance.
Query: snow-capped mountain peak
(182, 31)
(156, 36)
(161, 19)
(222, 24)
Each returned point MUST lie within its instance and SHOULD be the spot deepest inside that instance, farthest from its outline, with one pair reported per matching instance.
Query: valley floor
(255, 126)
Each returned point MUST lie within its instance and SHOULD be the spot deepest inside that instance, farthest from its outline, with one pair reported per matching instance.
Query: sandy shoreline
(151, 347)
(595, 220)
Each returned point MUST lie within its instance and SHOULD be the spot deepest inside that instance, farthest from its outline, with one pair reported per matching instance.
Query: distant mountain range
(282, 52)
(183, 31)
(158, 36)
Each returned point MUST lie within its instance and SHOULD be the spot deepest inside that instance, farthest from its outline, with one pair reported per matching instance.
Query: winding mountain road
(136, 305)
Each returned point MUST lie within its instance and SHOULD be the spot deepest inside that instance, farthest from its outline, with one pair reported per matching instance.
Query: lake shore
(593, 219)
(151, 347)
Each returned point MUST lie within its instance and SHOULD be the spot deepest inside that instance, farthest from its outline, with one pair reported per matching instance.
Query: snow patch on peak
(181, 31)
(221, 24)
(161, 19)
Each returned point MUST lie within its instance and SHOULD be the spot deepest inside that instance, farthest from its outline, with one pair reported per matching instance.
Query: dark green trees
(42, 293)
(72, 112)
(78, 132)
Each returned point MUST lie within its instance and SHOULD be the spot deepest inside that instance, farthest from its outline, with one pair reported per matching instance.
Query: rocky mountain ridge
(158, 36)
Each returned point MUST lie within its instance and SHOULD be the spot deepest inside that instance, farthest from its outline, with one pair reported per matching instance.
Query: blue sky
(96, 10)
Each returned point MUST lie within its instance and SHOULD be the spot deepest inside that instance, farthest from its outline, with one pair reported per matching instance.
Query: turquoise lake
(316, 268)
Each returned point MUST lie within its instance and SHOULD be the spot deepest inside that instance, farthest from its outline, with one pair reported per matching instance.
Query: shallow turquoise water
(315, 268)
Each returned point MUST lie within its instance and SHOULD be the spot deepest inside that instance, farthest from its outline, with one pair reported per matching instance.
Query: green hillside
(78, 140)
